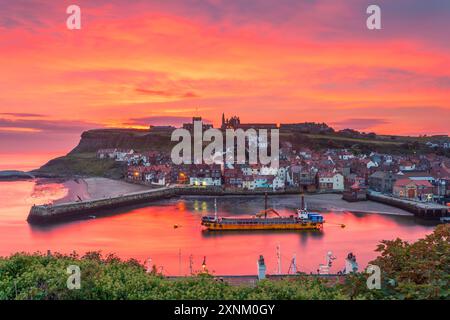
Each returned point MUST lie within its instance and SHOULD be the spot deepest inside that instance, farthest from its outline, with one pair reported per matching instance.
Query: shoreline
(100, 195)
(96, 189)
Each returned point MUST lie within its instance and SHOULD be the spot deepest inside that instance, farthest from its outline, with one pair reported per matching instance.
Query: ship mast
(265, 205)
(215, 209)
(302, 206)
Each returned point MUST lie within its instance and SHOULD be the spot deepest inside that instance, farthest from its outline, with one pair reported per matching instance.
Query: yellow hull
(293, 226)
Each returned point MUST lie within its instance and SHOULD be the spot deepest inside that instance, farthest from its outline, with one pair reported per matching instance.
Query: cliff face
(141, 140)
(82, 160)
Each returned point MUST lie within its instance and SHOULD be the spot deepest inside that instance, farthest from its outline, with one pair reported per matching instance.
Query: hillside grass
(81, 164)
(354, 140)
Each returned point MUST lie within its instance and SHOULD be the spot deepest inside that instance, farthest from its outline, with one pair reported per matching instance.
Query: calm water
(149, 232)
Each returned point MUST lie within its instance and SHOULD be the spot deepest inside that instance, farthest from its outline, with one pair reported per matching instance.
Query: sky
(135, 63)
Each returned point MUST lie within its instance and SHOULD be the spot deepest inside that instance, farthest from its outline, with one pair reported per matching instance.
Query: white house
(106, 153)
(305, 154)
(282, 173)
(371, 164)
(156, 178)
(330, 181)
(205, 181)
(278, 183)
(268, 171)
(407, 166)
(346, 155)
(247, 171)
(248, 183)
(121, 154)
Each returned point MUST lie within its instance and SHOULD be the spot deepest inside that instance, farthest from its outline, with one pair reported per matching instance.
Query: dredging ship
(303, 220)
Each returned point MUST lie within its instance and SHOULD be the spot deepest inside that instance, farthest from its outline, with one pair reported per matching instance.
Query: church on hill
(235, 123)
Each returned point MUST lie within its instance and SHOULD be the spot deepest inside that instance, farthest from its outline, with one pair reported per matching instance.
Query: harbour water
(169, 233)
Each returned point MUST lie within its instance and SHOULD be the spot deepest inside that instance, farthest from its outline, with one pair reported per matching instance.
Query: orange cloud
(148, 60)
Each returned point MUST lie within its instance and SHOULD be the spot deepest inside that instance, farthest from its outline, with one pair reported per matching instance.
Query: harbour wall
(423, 210)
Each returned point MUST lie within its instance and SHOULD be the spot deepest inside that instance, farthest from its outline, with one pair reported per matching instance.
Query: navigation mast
(278, 259)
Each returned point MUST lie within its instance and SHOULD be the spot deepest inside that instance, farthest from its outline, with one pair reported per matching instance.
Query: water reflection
(148, 232)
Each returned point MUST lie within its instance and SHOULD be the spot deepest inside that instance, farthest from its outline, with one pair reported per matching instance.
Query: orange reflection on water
(149, 232)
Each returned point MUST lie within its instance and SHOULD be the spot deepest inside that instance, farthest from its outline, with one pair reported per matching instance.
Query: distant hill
(15, 175)
(82, 159)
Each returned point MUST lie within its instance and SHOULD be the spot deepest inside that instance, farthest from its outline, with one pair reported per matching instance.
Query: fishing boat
(267, 219)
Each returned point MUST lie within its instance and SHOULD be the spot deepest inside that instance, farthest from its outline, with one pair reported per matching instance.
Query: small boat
(303, 220)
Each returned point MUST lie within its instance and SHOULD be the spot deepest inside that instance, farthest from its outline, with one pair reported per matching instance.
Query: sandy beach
(97, 188)
(335, 203)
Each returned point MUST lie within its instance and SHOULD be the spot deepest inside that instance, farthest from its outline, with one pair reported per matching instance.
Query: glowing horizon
(151, 62)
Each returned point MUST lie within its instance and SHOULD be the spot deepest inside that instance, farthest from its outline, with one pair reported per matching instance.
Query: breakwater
(41, 214)
(425, 210)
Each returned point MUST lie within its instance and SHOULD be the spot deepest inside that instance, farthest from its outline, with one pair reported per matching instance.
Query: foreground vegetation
(409, 271)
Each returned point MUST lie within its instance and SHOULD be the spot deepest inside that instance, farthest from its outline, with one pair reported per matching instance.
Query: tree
(418, 270)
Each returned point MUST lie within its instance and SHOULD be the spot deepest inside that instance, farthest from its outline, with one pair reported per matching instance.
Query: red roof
(417, 183)
(423, 183)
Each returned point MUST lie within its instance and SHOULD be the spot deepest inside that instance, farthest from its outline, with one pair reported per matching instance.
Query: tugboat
(304, 220)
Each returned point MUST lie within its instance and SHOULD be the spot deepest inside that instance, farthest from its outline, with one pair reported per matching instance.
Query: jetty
(48, 213)
(425, 210)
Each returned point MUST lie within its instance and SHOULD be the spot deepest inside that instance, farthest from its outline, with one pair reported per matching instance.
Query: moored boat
(303, 220)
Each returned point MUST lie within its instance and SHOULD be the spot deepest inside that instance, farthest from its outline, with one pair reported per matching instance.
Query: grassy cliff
(82, 161)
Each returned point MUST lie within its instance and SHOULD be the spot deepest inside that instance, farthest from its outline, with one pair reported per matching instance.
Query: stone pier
(425, 210)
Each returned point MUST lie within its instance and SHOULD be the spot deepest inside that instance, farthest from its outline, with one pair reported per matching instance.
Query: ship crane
(266, 210)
